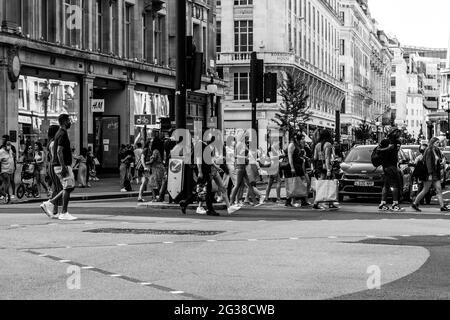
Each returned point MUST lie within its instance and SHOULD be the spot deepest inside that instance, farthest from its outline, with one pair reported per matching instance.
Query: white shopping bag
(327, 190)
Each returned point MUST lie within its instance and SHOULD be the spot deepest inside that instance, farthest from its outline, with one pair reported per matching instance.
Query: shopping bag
(296, 188)
(326, 190)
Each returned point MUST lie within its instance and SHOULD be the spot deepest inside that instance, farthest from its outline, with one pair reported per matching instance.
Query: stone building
(108, 63)
(300, 35)
(365, 67)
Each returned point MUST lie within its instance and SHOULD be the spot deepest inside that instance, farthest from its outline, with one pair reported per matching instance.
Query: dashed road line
(119, 276)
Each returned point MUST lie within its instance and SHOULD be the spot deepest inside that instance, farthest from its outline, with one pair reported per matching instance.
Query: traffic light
(194, 64)
(270, 87)
(256, 79)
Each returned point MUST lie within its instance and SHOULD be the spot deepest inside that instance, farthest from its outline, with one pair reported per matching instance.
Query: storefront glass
(37, 112)
(149, 109)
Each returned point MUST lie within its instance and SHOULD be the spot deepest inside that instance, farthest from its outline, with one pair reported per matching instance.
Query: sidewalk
(106, 188)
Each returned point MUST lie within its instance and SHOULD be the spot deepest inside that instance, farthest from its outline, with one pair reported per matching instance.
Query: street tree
(364, 131)
(294, 110)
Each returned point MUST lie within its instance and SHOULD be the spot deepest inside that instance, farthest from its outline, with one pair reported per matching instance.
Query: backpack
(376, 158)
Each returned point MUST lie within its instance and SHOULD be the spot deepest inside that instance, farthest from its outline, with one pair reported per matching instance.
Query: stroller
(28, 186)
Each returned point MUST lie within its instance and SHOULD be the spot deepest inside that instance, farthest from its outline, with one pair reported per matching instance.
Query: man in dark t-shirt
(12, 182)
(62, 162)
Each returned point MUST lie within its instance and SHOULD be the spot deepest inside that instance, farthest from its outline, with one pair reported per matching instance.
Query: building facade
(365, 67)
(300, 35)
(109, 64)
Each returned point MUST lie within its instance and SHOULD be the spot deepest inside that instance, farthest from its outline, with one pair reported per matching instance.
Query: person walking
(323, 153)
(12, 181)
(434, 160)
(241, 162)
(139, 166)
(62, 165)
(296, 166)
(145, 160)
(126, 156)
(388, 150)
(6, 169)
(274, 156)
(56, 183)
(157, 174)
(83, 169)
(169, 144)
(40, 170)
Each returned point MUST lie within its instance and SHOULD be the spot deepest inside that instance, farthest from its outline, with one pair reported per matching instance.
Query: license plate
(415, 187)
(364, 183)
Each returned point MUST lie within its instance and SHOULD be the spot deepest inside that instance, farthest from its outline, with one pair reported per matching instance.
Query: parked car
(361, 178)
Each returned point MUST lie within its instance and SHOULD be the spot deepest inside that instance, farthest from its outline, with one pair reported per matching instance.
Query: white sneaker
(48, 208)
(123, 190)
(66, 216)
(13, 197)
(220, 199)
(233, 209)
(201, 211)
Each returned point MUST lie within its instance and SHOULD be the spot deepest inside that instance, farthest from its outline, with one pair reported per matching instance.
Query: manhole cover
(157, 232)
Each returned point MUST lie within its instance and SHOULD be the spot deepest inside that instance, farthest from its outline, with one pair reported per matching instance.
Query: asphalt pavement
(117, 250)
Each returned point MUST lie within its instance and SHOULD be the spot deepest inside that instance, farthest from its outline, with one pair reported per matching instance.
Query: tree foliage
(294, 111)
(364, 131)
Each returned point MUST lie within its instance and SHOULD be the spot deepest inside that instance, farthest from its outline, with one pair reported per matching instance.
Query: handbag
(296, 188)
(326, 190)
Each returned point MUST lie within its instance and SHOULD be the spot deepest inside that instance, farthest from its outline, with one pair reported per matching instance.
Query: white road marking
(440, 235)
(64, 261)
(168, 242)
(145, 284)
(293, 238)
(87, 268)
(332, 237)
(211, 240)
(115, 275)
(176, 292)
(68, 247)
(252, 240)
(122, 245)
(43, 255)
(371, 237)
(405, 236)
(15, 225)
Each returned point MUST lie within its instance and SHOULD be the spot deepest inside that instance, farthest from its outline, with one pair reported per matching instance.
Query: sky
(414, 22)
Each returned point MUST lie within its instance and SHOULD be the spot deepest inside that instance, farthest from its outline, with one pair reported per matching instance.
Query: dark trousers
(392, 179)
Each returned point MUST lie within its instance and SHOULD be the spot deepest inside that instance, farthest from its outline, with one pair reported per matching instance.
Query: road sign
(144, 119)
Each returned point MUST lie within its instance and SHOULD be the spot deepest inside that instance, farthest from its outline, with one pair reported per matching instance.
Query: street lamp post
(45, 95)
(212, 90)
(448, 121)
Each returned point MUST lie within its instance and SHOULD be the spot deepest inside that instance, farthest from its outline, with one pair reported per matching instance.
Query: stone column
(87, 127)
(128, 120)
(8, 99)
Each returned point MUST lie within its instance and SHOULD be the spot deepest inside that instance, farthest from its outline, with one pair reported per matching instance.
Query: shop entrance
(107, 141)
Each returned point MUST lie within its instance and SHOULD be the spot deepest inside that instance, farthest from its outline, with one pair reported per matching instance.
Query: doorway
(106, 144)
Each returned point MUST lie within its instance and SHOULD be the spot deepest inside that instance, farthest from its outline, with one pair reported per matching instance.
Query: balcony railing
(277, 58)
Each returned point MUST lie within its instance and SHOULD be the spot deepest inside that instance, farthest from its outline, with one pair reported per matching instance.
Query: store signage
(24, 119)
(98, 105)
(145, 119)
(212, 123)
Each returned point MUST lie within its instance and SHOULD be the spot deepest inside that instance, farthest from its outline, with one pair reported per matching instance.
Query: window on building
(342, 47)
(394, 69)
(342, 73)
(144, 37)
(114, 18)
(73, 23)
(241, 86)
(99, 25)
(393, 81)
(393, 97)
(127, 39)
(243, 36)
(243, 2)
(158, 40)
(219, 36)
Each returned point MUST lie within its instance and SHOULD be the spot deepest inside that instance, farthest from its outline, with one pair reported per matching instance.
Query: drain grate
(157, 232)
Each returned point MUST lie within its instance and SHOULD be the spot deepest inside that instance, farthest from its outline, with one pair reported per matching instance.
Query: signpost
(98, 105)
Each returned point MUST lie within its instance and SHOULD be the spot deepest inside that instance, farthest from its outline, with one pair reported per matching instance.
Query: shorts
(68, 183)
